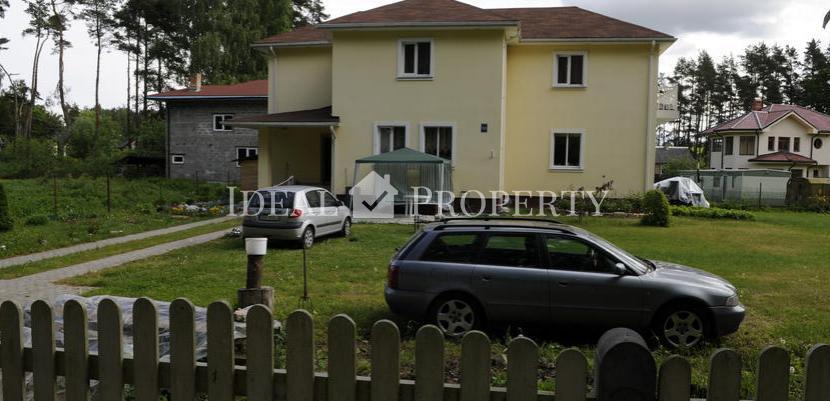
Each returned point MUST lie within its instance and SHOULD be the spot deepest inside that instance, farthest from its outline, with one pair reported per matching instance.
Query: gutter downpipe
(651, 126)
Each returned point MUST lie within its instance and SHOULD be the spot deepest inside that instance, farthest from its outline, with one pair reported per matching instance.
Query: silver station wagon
(296, 212)
(464, 273)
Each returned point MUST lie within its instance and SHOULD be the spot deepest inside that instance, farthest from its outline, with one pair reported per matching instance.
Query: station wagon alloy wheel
(683, 329)
(455, 317)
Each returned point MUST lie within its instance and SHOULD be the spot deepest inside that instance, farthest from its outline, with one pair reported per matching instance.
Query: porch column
(264, 178)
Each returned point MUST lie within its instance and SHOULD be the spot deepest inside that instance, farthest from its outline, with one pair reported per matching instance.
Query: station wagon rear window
(451, 248)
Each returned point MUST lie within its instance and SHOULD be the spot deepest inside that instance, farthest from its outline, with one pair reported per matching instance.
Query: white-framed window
(438, 139)
(245, 153)
(415, 58)
(746, 145)
(390, 136)
(219, 119)
(570, 69)
(177, 159)
(566, 149)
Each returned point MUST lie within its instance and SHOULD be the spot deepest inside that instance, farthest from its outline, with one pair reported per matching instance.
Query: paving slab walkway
(34, 257)
(42, 285)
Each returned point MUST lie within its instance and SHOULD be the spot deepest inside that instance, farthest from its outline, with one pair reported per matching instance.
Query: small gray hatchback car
(463, 273)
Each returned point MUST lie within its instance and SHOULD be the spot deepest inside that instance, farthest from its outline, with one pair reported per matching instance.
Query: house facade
(198, 144)
(539, 99)
(778, 136)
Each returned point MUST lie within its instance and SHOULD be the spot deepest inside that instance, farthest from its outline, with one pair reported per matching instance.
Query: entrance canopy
(303, 118)
(408, 168)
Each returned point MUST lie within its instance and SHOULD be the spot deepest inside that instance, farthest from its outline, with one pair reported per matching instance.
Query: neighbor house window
(747, 146)
(218, 122)
(438, 140)
(771, 143)
(389, 137)
(784, 144)
(796, 144)
(245, 153)
(569, 69)
(415, 58)
(729, 145)
(566, 150)
(717, 145)
(177, 159)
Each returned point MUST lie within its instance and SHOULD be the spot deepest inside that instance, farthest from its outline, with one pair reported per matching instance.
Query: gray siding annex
(208, 155)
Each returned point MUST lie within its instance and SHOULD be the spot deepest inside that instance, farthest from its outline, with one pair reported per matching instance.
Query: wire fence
(746, 196)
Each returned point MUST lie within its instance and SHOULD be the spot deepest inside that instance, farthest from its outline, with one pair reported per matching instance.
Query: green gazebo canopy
(402, 156)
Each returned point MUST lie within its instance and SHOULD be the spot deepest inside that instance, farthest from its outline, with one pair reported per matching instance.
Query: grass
(81, 214)
(778, 262)
(100, 253)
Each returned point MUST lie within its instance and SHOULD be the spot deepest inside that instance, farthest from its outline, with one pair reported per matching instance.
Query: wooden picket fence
(222, 380)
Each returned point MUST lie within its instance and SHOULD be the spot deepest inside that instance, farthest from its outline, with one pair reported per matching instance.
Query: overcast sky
(720, 27)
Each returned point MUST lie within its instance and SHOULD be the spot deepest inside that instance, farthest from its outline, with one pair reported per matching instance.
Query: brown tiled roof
(258, 88)
(760, 119)
(575, 23)
(783, 157)
(305, 35)
(321, 115)
(534, 23)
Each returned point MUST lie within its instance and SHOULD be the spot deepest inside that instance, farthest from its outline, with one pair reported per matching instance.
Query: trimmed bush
(37, 220)
(656, 209)
(712, 213)
(5, 217)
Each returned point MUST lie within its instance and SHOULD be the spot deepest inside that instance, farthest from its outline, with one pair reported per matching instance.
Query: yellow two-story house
(517, 99)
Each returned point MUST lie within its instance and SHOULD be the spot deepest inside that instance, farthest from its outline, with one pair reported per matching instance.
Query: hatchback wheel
(307, 238)
(347, 228)
(455, 316)
(682, 328)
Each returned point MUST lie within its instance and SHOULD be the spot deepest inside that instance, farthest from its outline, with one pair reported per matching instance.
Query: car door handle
(563, 283)
(485, 278)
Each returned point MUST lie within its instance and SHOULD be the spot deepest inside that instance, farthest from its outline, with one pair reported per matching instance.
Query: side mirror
(621, 269)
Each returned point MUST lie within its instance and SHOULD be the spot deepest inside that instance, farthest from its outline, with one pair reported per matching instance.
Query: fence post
(571, 375)
(110, 359)
(299, 356)
(77, 351)
(260, 354)
(675, 380)
(724, 376)
(773, 375)
(817, 385)
(11, 351)
(43, 348)
(522, 361)
(220, 352)
(145, 350)
(342, 363)
(625, 369)
(475, 367)
(182, 351)
(385, 361)
(429, 364)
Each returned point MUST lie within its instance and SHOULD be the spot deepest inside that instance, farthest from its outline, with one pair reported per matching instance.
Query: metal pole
(55, 194)
(760, 191)
(305, 275)
(109, 195)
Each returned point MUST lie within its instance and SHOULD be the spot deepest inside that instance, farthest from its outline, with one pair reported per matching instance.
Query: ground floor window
(389, 137)
(219, 122)
(177, 159)
(245, 153)
(438, 140)
(566, 150)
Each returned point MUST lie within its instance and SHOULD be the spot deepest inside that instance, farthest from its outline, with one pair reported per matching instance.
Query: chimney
(196, 82)
(757, 104)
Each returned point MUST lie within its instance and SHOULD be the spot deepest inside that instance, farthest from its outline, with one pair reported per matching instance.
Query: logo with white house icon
(373, 197)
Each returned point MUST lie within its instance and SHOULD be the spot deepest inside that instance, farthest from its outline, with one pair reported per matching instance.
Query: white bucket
(256, 246)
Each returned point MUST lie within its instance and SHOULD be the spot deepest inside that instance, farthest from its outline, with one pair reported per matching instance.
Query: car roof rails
(442, 227)
(497, 218)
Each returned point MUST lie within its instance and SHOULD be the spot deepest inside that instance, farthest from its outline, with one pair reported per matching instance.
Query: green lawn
(779, 264)
(81, 214)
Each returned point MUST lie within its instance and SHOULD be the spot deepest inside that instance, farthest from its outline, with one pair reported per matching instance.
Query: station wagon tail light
(296, 213)
(392, 276)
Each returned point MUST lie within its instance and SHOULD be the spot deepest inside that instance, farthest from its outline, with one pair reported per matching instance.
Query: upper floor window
(796, 144)
(415, 58)
(569, 69)
(389, 137)
(218, 122)
(728, 145)
(566, 150)
(771, 143)
(747, 146)
(438, 140)
(783, 144)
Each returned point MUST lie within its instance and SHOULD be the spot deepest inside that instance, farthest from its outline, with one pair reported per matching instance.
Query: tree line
(711, 92)
(163, 43)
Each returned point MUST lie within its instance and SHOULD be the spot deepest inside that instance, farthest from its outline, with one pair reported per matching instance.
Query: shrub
(712, 213)
(5, 216)
(37, 220)
(656, 209)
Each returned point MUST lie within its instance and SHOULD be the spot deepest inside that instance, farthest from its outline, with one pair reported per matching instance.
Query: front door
(510, 278)
(586, 287)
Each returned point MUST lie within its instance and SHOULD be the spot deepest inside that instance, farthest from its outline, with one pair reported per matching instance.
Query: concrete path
(42, 285)
(34, 257)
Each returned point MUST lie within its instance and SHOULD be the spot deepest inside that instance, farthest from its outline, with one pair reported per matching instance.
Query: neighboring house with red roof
(517, 98)
(199, 144)
(777, 136)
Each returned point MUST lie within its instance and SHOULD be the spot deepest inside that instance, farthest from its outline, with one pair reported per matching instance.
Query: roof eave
(266, 124)
(594, 40)
(402, 25)
(165, 98)
(315, 43)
